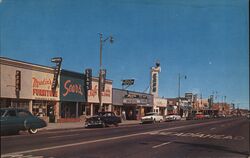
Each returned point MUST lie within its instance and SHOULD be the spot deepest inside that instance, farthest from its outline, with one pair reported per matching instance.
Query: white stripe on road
(64, 136)
(106, 139)
(211, 129)
(156, 146)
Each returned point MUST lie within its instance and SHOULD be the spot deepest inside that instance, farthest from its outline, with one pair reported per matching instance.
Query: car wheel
(33, 131)
(154, 121)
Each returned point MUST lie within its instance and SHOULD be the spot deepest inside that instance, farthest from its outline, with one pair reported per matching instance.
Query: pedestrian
(123, 115)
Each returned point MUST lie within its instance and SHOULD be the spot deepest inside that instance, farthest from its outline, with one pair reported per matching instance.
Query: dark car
(190, 117)
(15, 120)
(103, 119)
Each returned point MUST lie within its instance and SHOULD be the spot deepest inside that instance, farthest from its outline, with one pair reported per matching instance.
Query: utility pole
(102, 72)
(179, 91)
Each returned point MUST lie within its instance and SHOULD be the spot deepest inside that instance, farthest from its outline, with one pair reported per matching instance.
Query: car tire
(154, 121)
(33, 130)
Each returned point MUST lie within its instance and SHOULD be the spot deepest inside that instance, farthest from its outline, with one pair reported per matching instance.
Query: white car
(172, 117)
(151, 117)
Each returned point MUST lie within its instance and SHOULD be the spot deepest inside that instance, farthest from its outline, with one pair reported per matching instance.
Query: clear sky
(206, 40)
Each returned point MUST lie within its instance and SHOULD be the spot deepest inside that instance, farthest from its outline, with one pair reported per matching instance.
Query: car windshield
(150, 114)
(2, 112)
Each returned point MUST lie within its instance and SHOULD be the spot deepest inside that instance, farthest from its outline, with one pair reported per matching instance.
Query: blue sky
(205, 40)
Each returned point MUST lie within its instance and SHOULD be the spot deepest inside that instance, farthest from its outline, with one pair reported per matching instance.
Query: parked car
(190, 117)
(152, 117)
(103, 119)
(207, 116)
(199, 116)
(172, 117)
(14, 120)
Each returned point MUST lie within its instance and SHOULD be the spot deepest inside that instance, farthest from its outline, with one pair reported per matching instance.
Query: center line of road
(156, 146)
(107, 139)
(64, 136)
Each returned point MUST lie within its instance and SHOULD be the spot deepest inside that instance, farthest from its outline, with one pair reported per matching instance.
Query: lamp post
(102, 72)
(179, 90)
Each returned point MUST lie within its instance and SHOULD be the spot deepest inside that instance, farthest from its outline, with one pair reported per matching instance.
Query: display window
(39, 108)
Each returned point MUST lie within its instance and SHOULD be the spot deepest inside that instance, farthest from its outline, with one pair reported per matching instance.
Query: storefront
(92, 106)
(35, 87)
(133, 104)
(45, 102)
(72, 96)
(160, 106)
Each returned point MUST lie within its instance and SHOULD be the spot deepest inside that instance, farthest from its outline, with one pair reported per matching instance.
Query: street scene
(101, 79)
(195, 138)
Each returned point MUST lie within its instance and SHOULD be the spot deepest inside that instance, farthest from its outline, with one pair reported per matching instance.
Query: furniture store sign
(41, 86)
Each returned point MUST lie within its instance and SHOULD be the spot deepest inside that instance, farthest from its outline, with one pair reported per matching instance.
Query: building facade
(134, 104)
(92, 105)
(160, 106)
(35, 92)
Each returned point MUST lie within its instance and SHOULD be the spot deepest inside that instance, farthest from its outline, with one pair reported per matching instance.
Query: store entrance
(131, 112)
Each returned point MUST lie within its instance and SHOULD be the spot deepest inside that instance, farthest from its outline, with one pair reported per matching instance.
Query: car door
(29, 121)
(11, 121)
(108, 118)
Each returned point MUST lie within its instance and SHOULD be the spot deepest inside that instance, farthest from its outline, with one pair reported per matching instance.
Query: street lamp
(179, 90)
(102, 72)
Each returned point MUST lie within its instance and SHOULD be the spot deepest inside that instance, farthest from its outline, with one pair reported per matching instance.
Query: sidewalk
(73, 125)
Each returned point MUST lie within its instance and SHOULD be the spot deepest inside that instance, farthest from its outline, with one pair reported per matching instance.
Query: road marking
(107, 139)
(156, 146)
(211, 129)
(23, 156)
(198, 135)
(63, 136)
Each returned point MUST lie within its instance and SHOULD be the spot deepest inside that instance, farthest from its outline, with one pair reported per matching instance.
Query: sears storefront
(72, 96)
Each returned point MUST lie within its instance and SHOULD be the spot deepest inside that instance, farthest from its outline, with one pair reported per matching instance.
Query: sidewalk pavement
(73, 125)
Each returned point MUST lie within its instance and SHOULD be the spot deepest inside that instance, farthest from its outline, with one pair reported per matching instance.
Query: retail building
(92, 105)
(35, 93)
(134, 104)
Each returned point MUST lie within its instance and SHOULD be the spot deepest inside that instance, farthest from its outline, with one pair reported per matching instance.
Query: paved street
(196, 138)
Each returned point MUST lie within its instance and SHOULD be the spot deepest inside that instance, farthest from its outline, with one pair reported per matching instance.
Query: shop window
(39, 108)
(68, 110)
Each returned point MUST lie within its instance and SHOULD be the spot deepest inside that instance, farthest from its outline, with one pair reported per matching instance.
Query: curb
(82, 127)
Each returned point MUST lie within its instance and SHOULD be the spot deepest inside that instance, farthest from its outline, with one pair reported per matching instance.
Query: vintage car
(151, 117)
(199, 116)
(14, 120)
(103, 119)
(172, 117)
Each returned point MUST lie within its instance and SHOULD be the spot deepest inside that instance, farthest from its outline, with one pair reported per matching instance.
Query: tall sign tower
(154, 79)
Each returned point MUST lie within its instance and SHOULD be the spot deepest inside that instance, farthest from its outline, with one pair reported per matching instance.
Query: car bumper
(93, 124)
(147, 121)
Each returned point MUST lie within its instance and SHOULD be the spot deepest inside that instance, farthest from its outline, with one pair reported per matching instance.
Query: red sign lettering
(72, 88)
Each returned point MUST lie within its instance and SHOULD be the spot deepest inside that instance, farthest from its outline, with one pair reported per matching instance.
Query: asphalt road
(197, 138)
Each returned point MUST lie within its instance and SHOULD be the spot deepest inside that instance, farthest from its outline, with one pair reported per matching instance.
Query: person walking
(123, 115)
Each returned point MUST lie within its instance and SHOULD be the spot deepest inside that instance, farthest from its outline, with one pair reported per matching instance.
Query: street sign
(128, 82)
(88, 79)
(18, 80)
(102, 79)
